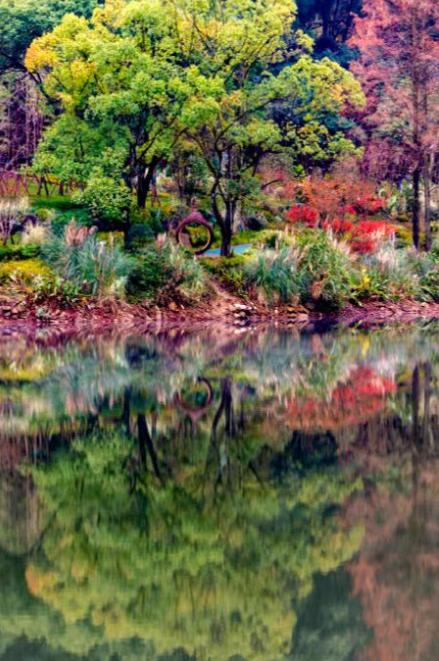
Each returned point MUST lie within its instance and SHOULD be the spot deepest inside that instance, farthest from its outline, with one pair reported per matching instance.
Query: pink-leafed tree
(398, 65)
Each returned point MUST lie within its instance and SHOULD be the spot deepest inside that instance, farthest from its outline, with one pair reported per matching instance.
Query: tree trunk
(225, 223)
(226, 241)
(427, 206)
(143, 183)
(145, 179)
(416, 208)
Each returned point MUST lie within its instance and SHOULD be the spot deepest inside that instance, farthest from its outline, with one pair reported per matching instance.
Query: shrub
(429, 284)
(139, 234)
(316, 269)
(106, 198)
(368, 235)
(163, 271)
(276, 274)
(230, 272)
(93, 266)
(304, 214)
(339, 226)
(426, 266)
(11, 252)
(60, 221)
(434, 252)
(51, 287)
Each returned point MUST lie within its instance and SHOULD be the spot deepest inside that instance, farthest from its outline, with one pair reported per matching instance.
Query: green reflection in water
(246, 496)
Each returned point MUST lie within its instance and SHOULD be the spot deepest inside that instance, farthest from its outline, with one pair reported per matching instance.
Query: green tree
(119, 70)
(22, 21)
(207, 72)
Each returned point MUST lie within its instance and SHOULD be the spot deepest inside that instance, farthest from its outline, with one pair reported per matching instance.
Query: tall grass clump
(325, 269)
(388, 274)
(95, 267)
(275, 274)
(314, 269)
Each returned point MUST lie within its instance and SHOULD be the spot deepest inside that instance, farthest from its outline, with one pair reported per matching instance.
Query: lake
(225, 496)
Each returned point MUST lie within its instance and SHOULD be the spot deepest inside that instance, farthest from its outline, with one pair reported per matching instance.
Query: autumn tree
(398, 47)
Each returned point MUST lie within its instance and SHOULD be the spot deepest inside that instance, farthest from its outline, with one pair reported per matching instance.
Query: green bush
(314, 269)
(51, 287)
(151, 273)
(165, 271)
(230, 272)
(94, 267)
(59, 223)
(138, 236)
(434, 252)
(106, 198)
(10, 252)
(429, 284)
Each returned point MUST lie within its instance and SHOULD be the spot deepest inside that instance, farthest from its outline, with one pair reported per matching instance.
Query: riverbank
(24, 317)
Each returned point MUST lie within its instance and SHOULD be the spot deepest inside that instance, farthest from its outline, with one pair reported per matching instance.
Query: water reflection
(257, 495)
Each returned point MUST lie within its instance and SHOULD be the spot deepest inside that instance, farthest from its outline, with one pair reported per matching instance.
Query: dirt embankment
(24, 317)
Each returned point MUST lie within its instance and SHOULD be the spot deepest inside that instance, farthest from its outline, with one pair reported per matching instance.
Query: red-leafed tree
(398, 44)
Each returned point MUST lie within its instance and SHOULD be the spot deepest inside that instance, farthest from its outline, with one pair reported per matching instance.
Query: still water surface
(259, 495)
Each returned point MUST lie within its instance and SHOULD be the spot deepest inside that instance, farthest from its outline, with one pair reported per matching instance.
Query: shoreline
(23, 318)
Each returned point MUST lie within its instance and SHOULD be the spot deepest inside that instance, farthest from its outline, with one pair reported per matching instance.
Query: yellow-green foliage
(23, 271)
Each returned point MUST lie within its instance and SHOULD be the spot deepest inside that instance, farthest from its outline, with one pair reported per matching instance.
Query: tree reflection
(266, 496)
(211, 559)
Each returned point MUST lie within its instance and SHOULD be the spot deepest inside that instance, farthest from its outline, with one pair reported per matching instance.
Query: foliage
(12, 251)
(24, 20)
(388, 274)
(304, 214)
(368, 235)
(163, 271)
(193, 79)
(230, 273)
(22, 272)
(344, 191)
(402, 118)
(314, 269)
(106, 199)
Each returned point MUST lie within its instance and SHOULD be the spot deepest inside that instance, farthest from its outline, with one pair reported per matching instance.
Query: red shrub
(368, 234)
(339, 226)
(375, 227)
(304, 214)
(369, 205)
(348, 210)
